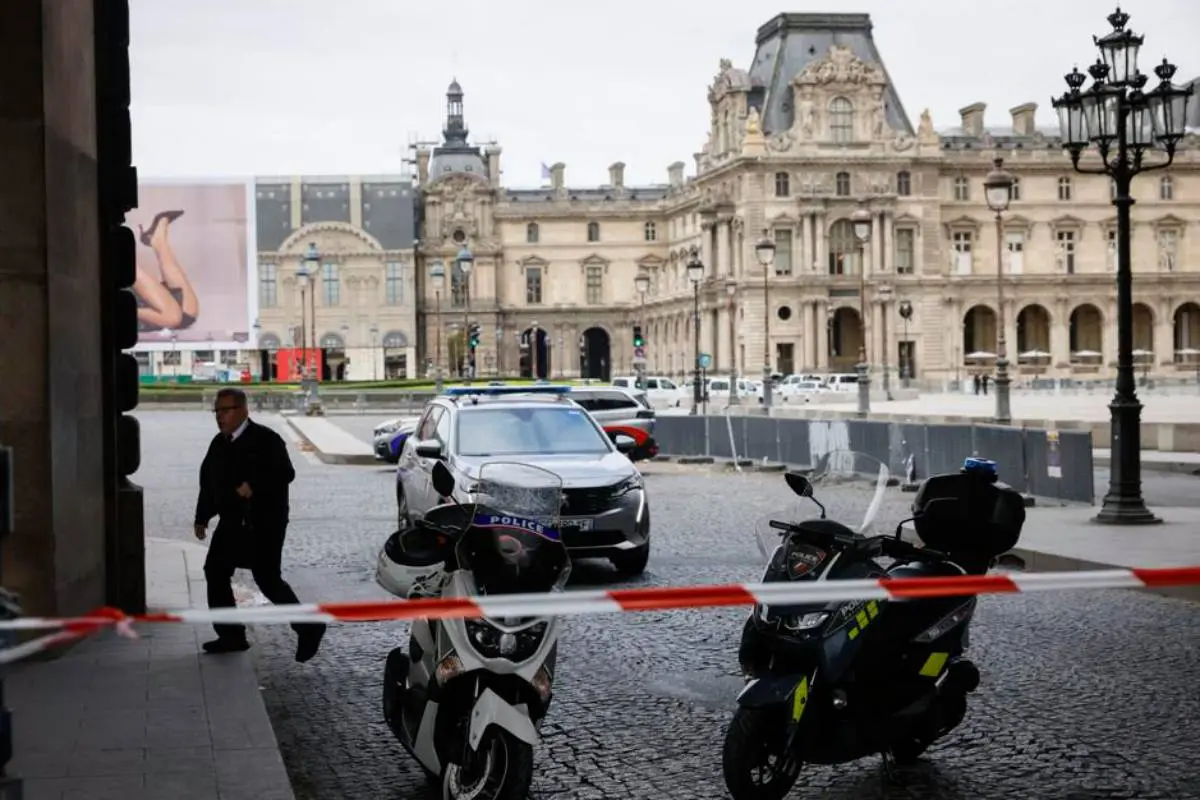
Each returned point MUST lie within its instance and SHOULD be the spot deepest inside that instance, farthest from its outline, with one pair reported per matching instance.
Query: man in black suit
(244, 480)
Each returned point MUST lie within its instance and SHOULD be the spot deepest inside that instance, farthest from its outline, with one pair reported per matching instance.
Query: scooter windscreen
(514, 544)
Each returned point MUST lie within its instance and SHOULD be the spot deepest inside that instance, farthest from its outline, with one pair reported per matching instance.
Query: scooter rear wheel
(395, 673)
(753, 760)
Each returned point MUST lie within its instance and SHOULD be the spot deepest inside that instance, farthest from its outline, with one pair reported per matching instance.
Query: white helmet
(412, 563)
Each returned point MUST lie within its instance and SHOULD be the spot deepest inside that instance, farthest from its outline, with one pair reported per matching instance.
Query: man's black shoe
(310, 642)
(218, 646)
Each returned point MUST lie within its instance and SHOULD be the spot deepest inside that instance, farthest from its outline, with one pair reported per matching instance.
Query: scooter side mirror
(443, 481)
(799, 484)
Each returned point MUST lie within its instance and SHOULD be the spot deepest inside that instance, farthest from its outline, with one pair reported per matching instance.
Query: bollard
(11, 787)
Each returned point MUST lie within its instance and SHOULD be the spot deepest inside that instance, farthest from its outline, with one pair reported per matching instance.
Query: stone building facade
(811, 133)
(360, 307)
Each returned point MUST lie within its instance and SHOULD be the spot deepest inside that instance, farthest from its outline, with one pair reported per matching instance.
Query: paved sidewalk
(1155, 461)
(331, 443)
(151, 719)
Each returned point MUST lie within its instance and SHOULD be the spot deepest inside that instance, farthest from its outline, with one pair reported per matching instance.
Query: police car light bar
(495, 391)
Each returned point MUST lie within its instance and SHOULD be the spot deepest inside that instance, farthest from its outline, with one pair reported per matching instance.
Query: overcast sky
(225, 88)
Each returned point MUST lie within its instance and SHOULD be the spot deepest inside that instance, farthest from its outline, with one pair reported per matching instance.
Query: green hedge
(181, 391)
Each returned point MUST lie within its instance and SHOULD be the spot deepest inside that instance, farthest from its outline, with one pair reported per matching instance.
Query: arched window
(395, 340)
(841, 120)
(268, 341)
(593, 231)
(531, 233)
(331, 341)
(843, 248)
(842, 184)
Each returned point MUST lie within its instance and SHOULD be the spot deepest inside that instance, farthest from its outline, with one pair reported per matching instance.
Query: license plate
(576, 524)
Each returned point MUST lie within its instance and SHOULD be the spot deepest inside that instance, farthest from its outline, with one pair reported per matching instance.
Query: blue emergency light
(985, 466)
(496, 391)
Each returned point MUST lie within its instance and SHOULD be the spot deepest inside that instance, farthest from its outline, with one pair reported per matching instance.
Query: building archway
(845, 339)
(268, 347)
(395, 355)
(333, 357)
(538, 355)
(595, 355)
(979, 331)
(1033, 332)
(1187, 333)
(1086, 333)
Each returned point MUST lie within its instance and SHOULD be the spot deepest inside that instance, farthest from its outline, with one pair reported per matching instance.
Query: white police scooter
(469, 695)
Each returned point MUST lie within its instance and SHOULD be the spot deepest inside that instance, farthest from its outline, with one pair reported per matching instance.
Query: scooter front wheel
(501, 769)
(754, 760)
(395, 673)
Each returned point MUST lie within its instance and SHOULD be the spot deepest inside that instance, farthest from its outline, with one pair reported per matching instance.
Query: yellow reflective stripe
(854, 633)
(934, 664)
(800, 700)
(873, 609)
(862, 619)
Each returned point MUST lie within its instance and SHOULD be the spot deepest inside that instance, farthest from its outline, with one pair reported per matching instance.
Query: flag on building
(545, 172)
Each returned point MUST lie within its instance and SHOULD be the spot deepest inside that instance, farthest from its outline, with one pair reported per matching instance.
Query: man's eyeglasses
(219, 410)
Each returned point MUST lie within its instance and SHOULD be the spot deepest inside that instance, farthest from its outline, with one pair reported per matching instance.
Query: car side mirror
(798, 484)
(430, 448)
(625, 444)
(443, 481)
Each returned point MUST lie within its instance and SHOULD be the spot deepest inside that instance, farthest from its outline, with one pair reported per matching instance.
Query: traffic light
(473, 335)
(638, 339)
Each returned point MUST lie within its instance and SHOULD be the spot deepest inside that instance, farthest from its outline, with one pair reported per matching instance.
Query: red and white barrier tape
(608, 602)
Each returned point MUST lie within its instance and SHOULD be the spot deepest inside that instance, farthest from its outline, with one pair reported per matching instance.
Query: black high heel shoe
(147, 235)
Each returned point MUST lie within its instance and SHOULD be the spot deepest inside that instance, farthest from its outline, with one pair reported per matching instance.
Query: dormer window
(841, 120)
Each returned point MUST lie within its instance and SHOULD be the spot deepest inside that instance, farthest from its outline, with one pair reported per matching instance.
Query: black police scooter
(831, 683)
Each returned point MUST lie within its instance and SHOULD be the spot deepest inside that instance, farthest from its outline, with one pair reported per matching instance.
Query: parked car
(389, 439)
(624, 411)
(660, 390)
(605, 512)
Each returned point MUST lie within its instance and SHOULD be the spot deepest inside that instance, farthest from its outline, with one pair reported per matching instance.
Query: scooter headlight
(805, 622)
(492, 642)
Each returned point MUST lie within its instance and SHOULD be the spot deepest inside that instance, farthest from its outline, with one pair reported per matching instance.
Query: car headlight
(491, 642)
(631, 484)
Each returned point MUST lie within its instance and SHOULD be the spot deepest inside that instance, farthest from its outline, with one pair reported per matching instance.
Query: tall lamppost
(465, 262)
(734, 394)
(562, 373)
(862, 232)
(534, 355)
(695, 272)
(437, 278)
(764, 251)
(304, 278)
(345, 330)
(884, 294)
(1124, 122)
(642, 283)
(997, 190)
(374, 331)
(499, 350)
(905, 309)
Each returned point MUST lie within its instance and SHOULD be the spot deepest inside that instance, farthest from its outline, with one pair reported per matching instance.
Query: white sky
(225, 88)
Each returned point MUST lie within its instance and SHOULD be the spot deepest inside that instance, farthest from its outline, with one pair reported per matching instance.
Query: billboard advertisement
(194, 276)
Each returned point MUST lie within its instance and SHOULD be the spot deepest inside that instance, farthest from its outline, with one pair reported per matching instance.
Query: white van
(842, 382)
(660, 390)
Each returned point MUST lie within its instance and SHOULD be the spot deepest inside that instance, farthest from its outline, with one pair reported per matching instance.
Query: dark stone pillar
(51, 371)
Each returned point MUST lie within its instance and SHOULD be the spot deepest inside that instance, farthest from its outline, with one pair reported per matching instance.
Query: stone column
(722, 265)
(822, 242)
(821, 311)
(804, 261)
(889, 246)
(876, 243)
(52, 406)
(706, 252)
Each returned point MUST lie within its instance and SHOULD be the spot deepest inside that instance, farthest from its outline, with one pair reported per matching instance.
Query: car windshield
(549, 430)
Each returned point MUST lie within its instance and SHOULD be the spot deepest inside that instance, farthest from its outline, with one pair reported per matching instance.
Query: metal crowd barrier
(1045, 463)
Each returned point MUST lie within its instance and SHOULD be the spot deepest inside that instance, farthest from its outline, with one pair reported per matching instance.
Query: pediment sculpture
(840, 66)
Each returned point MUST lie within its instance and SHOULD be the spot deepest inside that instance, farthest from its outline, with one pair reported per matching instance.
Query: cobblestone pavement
(1084, 696)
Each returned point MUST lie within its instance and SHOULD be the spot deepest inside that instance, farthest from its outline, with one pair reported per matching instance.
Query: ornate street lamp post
(997, 190)
(465, 262)
(905, 309)
(309, 378)
(1125, 123)
(862, 232)
(437, 278)
(642, 284)
(695, 272)
(764, 251)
